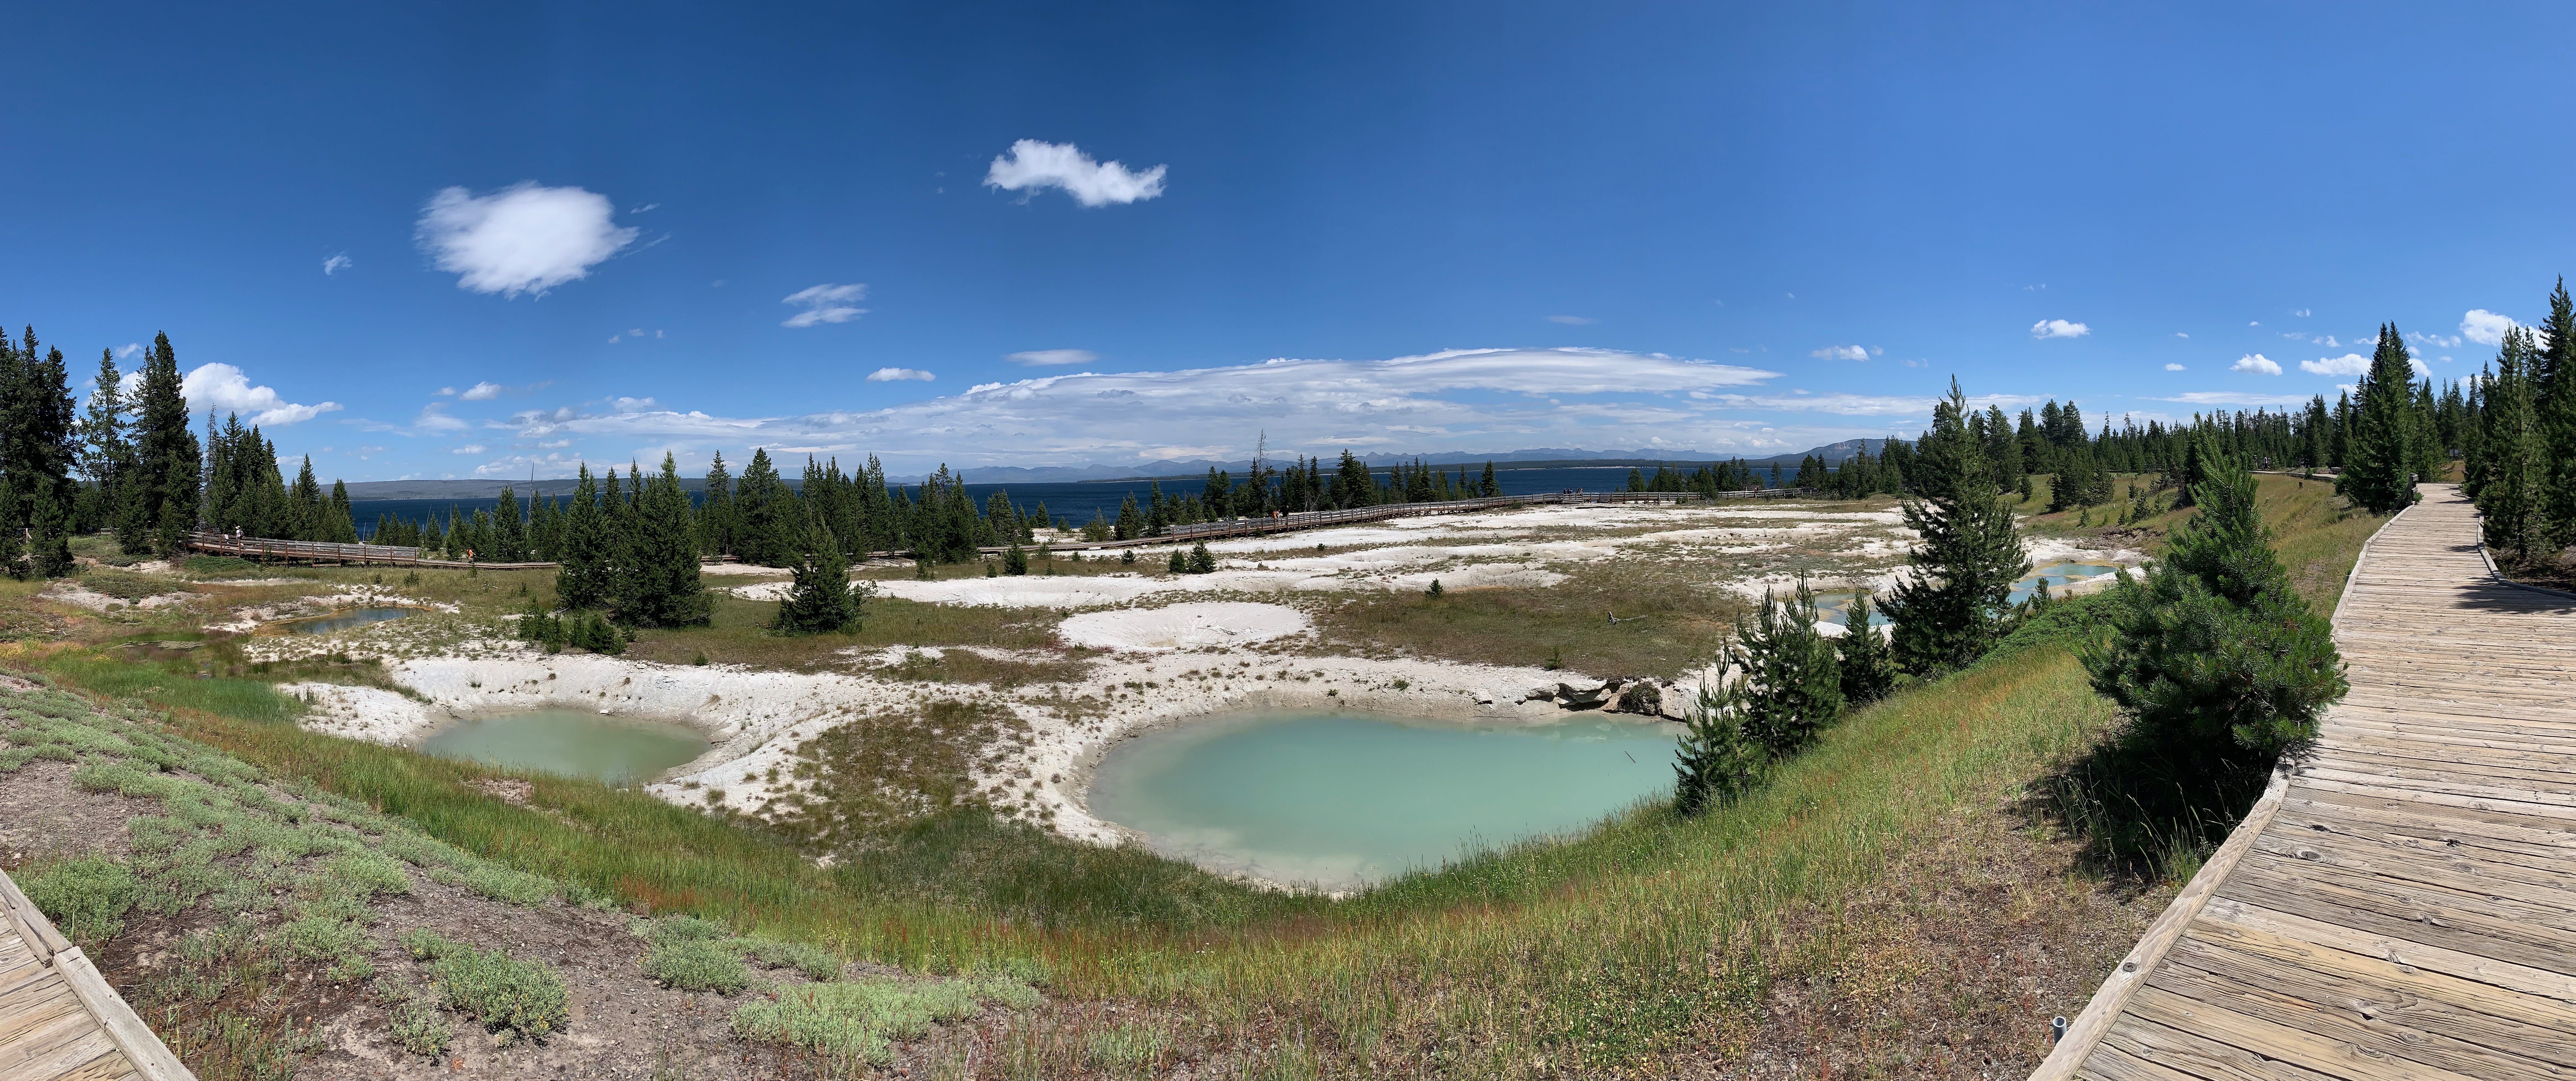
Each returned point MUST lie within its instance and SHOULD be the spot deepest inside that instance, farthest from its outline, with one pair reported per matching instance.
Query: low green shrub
(697, 964)
(499, 883)
(860, 1020)
(818, 964)
(523, 999)
(86, 896)
(420, 1029)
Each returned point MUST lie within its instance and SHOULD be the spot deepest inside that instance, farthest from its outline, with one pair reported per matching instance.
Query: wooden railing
(325, 551)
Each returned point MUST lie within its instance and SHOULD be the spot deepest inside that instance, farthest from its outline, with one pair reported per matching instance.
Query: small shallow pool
(343, 620)
(1835, 606)
(1339, 800)
(616, 750)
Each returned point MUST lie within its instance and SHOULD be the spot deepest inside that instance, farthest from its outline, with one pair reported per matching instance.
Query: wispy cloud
(521, 239)
(2229, 397)
(825, 303)
(481, 392)
(2058, 328)
(1841, 352)
(1043, 357)
(2173, 367)
(336, 264)
(2255, 364)
(128, 349)
(1572, 320)
(1033, 166)
(897, 375)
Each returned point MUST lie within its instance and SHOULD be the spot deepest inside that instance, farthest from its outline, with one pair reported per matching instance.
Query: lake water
(343, 620)
(1340, 800)
(1075, 501)
(616, 750)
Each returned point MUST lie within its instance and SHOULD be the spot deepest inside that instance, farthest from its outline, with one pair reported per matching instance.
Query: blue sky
(459, 240)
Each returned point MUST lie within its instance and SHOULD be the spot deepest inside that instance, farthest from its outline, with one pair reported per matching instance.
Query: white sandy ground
(1163, 665)
(79, 596)
(356, 596)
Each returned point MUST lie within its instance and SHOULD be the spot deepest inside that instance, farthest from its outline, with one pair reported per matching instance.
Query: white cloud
(128, 349)
(2436, 340)
(2301, 313)
(895, 375)
(1033, 166)
(2255, 363)
(336, 264)
(2058, 328)
(481, 392)
(2229, 397)
(521, 239)
(433, 418)
(1841, 352)
(825, 303)
(1477, 399)
(469, 448)
(2180, 334)
(1572, 320)
(1053, 356)
(225, 389)
(2485, 327)
(2173, 367)
(446, 392)
(2347, 364)
(2253, 323)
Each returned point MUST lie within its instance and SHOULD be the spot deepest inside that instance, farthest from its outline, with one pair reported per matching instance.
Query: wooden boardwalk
(2401, 903)
(59, 1020)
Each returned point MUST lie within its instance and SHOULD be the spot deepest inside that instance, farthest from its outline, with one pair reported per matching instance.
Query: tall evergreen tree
(1970, 554)
(107, 452)
(1789, 682)
(38, 445)
(2510, 468)
(768, 525)
(2216, 650)
(1716, 761)
(161, 504)
(667, 592)
(715, 513)
(2379, 474)
(586, 578)
(2553, 406)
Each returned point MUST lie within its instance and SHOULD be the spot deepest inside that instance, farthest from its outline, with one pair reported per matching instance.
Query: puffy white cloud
(2058, 328)
(2301, 313)
(225, 389)
(1034, 166)
(2255, 363)
(521, 239)
(2173, 367)
(897, 375)
(825, 303)
(1041, 357)
(481, 392)
(2229, 397)
(1841, 352)
(1572, 320)
(336, 264)
(2347, 364)
(2485, 327)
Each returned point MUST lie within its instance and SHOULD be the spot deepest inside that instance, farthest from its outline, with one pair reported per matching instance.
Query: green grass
(739, 634)
(520, 999)
(87, 896)
(859, 1021)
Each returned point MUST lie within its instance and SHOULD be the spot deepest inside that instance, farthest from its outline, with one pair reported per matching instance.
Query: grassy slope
(1648, 939)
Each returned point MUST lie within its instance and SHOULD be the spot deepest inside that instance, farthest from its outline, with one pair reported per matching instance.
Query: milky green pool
(617, 750)
(1339, 801)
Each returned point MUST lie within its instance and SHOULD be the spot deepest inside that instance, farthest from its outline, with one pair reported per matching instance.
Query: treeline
(2215, 653)
(2520, 463)
(130, 463)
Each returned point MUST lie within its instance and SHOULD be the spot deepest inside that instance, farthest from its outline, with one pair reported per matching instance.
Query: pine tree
(1201, 561)
(2510, 468)
(586, 578)
(716, 515)
(821, 599)
(1486, 486)
(1016, 560)
(666, 592)
(1970, 554)
(160, 506)
(107, 452)
(2379, 473)
(2553, 406)
(1866, 664)
(2216, 651)
(38, 446)
(1788, 683)
(1716, 761)
(768, 524)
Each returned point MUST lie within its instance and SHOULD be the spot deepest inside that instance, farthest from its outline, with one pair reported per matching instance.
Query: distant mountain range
(1536, 458)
